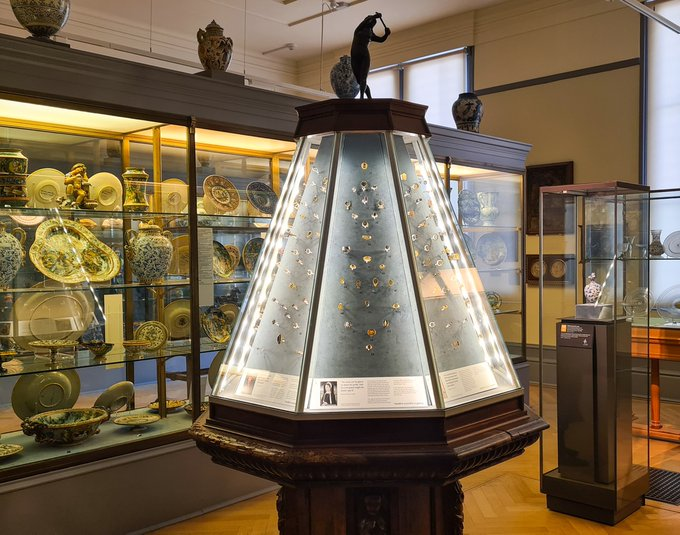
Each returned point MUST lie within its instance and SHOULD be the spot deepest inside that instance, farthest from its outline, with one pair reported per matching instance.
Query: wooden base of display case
(361, 510)
(394, 471)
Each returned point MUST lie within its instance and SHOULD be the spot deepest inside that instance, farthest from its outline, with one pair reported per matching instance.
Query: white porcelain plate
(44, 187)
(41, 392)
(107, 190)
(671, 244)
(174, 195)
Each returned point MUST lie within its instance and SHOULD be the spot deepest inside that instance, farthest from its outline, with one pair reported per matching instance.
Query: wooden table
(664, 344)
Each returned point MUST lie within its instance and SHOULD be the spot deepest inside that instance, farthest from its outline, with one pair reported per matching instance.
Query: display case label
(467, 381)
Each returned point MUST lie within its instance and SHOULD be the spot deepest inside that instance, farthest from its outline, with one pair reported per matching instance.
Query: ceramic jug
(214, 49)
(467, 112)
(592, 290)
(149, 252)
(12, 253)
(135, 189)
(488, 201)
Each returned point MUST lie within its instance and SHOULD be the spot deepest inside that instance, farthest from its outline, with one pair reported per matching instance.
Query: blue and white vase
(467, 112)
(469, 207)
(12, 254)
(149, 252)
(343, 82)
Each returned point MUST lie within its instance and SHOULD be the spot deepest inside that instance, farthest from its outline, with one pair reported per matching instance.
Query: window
(434, 81)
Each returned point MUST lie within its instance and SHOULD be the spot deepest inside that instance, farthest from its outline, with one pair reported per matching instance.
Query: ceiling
(263, 25)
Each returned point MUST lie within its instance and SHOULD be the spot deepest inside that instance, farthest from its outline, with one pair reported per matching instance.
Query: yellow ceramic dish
(220, 195)
(67, 252)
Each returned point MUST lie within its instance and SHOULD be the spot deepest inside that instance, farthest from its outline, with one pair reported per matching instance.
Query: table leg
(655, 395)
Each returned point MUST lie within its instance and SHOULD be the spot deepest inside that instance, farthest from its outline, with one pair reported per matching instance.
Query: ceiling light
(289, 46)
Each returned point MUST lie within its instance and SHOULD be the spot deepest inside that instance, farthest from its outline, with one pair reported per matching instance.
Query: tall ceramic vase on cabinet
(214, 49)
(43, 18)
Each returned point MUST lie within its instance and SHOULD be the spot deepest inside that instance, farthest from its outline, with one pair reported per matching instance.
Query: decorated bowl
(98, 348)
(64, 426)
(134, 348)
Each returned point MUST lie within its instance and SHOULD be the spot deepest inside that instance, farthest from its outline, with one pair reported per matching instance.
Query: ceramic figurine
(43, 18)
(135, 189)
(361, 59)
(342, 79)
(467, 112)
(12, 253)
(77, 188)
(149, 252)
(214, 49)
(592, 290)
(13, 162)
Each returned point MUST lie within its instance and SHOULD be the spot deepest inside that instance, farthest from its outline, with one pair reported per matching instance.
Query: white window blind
(436, 83)
(663, 104)
(384, 84)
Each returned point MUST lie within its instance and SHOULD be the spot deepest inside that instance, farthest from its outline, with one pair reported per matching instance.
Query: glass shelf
(97, 286)
(486, 228)
(67, 213)
(27, 362)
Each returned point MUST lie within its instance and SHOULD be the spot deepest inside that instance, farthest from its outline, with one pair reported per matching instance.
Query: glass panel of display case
(489, 209)
(591, 353)
(365, 290)
(88, 285)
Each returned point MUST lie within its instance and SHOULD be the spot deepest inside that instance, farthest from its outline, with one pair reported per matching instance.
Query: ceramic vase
(214, 49)
(135, 189)
(343, 81)
(149, 252)
(488, 209)
(13, 172)
(469, 208)
(655, 246)
(43, 18)
(467, 112)
(592, 290)
(12, 253)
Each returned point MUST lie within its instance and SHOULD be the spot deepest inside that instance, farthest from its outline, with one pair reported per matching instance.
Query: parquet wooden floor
(502, 500)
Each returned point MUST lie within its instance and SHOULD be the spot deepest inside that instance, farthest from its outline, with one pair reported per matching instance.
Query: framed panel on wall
(554, 174)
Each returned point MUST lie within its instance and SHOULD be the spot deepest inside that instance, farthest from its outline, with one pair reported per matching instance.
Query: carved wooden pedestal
(412, 509)
(364, 475)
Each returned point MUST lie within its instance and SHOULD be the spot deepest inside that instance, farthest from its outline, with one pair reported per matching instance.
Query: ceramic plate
(231, 311)
(223, 262)
(261, 197)
(220, 195)
(234, 253)
(251, 250)
(491, 249)
(7, 450)
(28, 220)
(170, 404)
(56, 314)
(174, 195)
(67, 252)
(116, 396)
(136, 420)
(668, 304)
(214, 369)
(177, 318)
(153, 331)
(216, 325)
(107, 190)
(671, 244)
(41, 392)
(179, 265)
(44, 187)
(636, 302)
